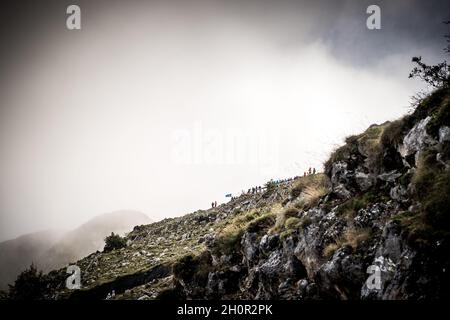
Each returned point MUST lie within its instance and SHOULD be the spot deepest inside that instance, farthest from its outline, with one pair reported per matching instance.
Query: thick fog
(165, 106)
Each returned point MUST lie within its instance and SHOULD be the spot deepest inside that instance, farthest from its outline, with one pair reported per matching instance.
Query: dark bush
(29, 285)
(114, 242)
(437, 76)
(270, 187)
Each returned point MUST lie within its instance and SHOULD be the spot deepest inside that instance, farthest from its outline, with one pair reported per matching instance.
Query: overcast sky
(165, 106)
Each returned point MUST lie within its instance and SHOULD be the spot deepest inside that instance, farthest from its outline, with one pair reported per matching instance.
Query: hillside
(89, 237)
(49, 250)
(383, 200)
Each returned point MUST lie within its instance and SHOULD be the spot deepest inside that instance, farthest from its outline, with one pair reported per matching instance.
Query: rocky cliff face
(385, 210)
(374, 225)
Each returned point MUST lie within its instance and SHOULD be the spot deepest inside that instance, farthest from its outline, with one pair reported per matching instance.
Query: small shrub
(282, 216)
(437, 75)
(231, 231)
(310, 189)
(302, 182)
(270, 188)
(228, 240)
(313, 194)
(114, 242)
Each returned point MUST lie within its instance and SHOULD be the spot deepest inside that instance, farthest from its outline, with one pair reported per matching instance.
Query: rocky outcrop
(358, 242)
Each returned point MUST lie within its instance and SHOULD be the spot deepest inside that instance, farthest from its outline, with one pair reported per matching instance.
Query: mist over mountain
(55, 248)
(113, 128)
(89, 237)
(17, 254)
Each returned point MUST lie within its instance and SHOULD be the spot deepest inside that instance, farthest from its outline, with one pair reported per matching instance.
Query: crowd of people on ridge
(309, 172)
(258, 189)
